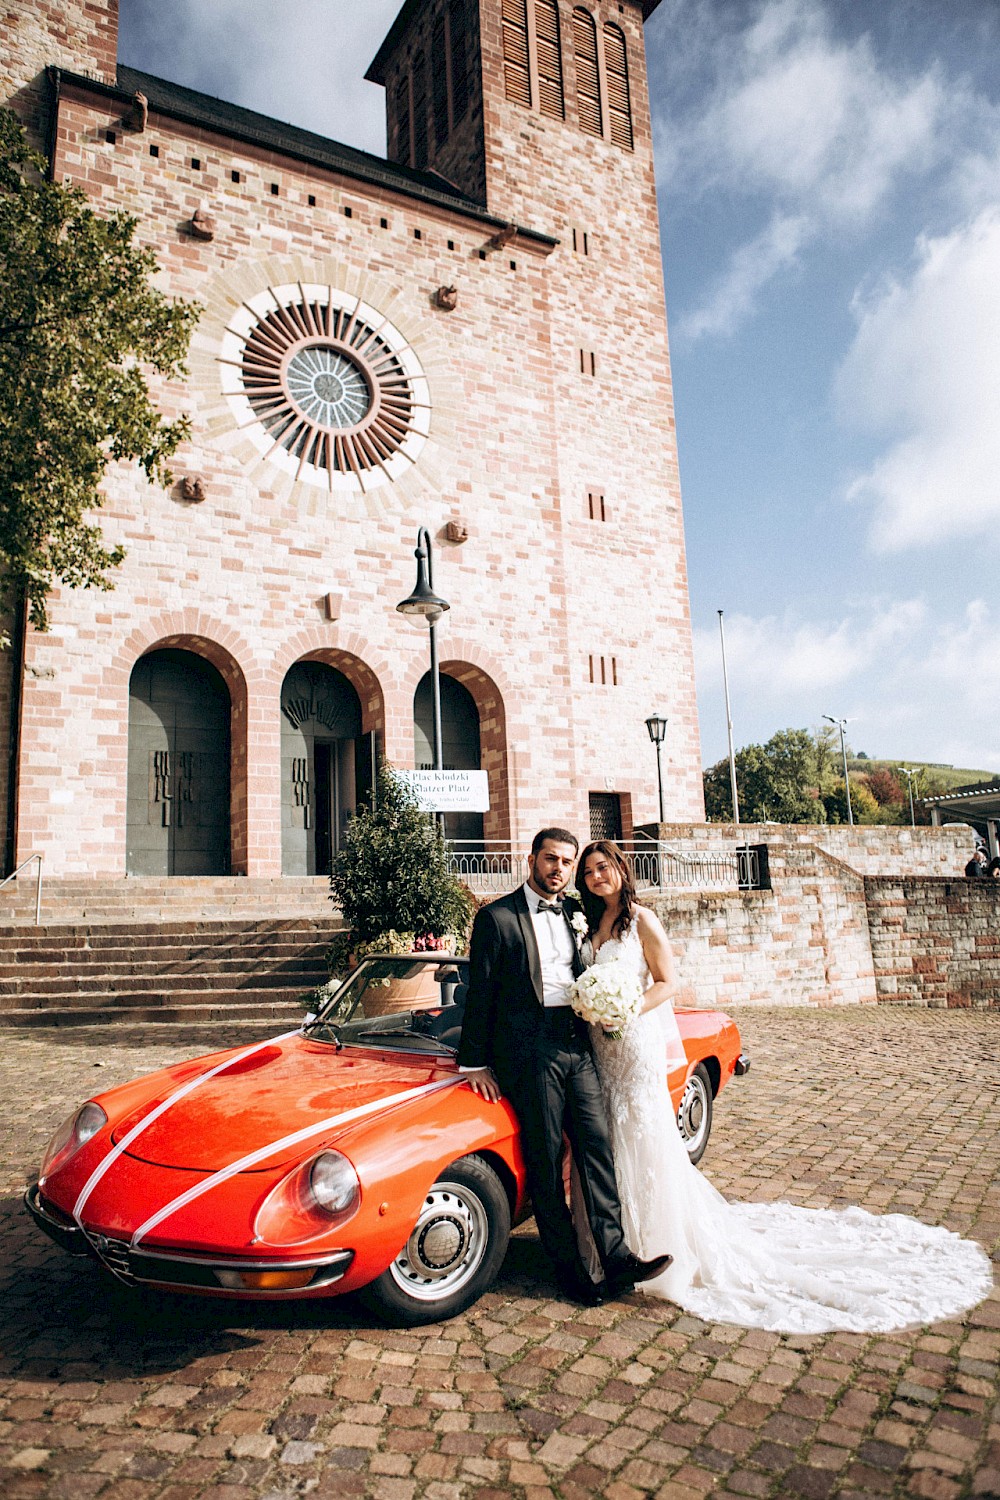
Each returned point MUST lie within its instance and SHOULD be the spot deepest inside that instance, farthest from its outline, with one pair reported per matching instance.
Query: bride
(764, 1265)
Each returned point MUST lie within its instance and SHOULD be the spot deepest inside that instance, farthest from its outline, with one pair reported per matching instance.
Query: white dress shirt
(556, 947)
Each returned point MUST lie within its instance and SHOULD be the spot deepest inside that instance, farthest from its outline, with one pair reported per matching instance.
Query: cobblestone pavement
(135, 1397)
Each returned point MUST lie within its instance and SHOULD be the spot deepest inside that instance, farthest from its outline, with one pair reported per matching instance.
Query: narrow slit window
(588, 85)
(439, 82)
(457, 37)
(590, 661)
(550, 75)
(614, 671)
(404, 143)
(619, 97)
(517, 78)
(419, 111)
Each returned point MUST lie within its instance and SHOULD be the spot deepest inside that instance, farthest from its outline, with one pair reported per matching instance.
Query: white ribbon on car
(254, 1158)
(160, 1110)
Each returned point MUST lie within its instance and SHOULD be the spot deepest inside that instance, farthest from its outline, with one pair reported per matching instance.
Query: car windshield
(393, 1002)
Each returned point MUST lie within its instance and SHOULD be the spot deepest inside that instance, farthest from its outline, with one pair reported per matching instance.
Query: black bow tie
(555, 906)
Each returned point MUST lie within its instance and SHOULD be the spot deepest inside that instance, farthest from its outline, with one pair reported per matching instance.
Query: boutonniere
(579, 924)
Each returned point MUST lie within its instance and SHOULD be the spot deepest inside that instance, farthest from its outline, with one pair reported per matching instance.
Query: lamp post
(423, 601)
(842, 726)
(657, 727)
(729, 723)
(909, 774)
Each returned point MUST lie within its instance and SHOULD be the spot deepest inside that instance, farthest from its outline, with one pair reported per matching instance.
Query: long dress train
(763, 1265)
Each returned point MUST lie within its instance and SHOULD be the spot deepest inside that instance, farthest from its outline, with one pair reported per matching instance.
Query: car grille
(114, 1254)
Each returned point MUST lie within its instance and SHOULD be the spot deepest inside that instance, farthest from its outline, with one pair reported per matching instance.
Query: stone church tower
(488, 303)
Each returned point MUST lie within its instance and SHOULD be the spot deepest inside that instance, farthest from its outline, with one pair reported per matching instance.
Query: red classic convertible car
(347, 1154)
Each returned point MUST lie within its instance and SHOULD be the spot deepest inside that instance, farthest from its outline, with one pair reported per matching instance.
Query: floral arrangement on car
(607, 995)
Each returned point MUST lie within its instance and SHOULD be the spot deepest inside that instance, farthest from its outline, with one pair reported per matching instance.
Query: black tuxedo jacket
(505, 1002)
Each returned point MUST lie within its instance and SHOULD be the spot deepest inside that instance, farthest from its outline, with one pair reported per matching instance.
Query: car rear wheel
(453, 1252)
(694, 1116)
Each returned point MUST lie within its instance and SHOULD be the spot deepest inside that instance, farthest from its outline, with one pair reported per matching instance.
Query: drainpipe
(18, 643)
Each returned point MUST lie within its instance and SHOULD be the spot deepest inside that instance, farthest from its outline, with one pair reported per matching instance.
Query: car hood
(261, 1099)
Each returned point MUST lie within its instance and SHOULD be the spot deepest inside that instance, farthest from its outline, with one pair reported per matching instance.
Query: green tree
(863, 804)
(80, 327)
(777, 782)
(392, 874)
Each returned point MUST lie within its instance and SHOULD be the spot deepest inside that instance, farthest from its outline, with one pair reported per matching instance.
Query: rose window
(325, 387)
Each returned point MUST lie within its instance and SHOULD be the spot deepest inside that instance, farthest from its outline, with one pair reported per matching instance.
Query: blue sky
(829, 177)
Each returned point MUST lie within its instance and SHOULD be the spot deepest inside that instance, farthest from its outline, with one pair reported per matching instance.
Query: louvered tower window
(619, 102)
(419, 110)
(404, 145)
(550, 77)
(517, 78)
(439, 82)
(588, 85)
(459, 65)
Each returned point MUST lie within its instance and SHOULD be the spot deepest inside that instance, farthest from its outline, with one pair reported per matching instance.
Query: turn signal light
(264, 1281)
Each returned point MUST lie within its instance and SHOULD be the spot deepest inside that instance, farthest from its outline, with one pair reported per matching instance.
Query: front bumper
(741, 1065)
(220, 1275)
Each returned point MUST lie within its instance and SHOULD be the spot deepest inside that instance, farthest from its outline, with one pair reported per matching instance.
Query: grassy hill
(942, 777)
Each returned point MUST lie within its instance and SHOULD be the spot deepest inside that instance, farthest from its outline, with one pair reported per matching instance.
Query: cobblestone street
(135, 1397)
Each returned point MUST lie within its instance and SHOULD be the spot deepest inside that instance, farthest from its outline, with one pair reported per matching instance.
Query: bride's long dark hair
(593, 906)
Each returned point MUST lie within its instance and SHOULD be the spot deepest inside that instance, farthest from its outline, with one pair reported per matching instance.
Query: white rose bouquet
(607, 995)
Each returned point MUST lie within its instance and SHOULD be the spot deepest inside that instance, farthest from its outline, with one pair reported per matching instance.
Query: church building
(469, 336)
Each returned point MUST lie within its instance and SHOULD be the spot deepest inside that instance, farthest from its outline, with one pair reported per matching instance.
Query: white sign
(449, 791)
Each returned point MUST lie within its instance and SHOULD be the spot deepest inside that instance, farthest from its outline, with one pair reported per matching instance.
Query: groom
(520, 1036)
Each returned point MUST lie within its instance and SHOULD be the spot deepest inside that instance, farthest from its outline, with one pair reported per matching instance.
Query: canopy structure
(977, 805)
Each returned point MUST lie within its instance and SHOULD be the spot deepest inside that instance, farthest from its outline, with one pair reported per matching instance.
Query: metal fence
(492, 867)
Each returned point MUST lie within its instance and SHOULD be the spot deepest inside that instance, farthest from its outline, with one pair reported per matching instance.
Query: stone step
(67, 898)
(123, 961)
(256, 999)
(84, 935)
(286, 1013)
(67, 986)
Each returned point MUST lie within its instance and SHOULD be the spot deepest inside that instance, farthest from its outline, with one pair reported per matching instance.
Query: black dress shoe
(629, 1269)
(582, 1290)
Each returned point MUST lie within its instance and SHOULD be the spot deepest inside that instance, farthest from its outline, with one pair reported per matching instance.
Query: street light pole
(656, 727)
(729, 724)
(424, 602)
(909, 774)
(842, 726)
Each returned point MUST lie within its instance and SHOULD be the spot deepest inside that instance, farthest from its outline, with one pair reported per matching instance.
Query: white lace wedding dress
(763, 1265)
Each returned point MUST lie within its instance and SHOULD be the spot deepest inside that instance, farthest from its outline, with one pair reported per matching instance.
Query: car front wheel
(453, 1252)
(694, 1116)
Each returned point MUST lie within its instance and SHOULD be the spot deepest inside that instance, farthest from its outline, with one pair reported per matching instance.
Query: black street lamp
(841, 724)
(423, 601)
(657, 728)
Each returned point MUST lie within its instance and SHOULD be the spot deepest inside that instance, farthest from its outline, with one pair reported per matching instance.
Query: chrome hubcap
(692, 1112)
(446, 1246)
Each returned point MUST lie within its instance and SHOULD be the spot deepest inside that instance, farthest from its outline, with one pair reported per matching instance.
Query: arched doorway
(460, 747)
(177, 820)
(324, 765)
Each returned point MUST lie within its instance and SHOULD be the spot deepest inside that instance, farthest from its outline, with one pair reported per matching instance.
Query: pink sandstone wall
(935, 942)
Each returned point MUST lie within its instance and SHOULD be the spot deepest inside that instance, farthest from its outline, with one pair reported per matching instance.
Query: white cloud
(911, 683)
(777, 657)
(302, 62)
(924, 368)
(804, 121)
(751, 267)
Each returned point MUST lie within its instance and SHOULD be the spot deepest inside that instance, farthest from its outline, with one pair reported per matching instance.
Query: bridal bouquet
(608, 995)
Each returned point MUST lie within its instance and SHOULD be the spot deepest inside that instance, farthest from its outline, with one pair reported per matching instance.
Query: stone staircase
(183, 950)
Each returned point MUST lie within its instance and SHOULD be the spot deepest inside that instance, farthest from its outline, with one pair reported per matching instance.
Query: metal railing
(38, 883)
(490, 867)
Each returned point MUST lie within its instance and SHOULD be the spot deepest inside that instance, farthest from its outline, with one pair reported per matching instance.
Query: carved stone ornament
(446, 298)
(457, 531)
(503, 237)
(202, 225)
(137, 114)
(192, 487)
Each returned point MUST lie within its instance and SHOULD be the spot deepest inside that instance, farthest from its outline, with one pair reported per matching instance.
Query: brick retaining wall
(935, 942)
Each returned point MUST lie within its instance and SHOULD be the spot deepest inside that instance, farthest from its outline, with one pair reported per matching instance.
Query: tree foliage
(392, 874)
(886, 788)
(777, 782)
(80, 325)
(863, 804)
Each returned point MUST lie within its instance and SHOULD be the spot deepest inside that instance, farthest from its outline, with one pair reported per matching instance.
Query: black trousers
(557, 1089)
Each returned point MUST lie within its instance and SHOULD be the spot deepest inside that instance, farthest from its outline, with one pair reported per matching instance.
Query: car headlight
(333, 1183)
(316, 1197)
(71, 1135)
